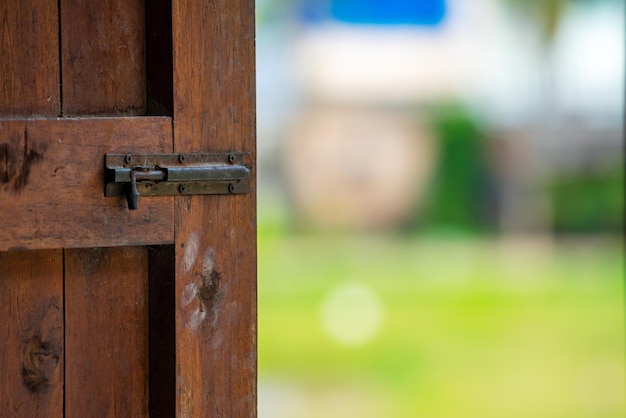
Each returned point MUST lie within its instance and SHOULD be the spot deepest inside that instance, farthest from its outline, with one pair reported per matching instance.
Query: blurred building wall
(332, 83)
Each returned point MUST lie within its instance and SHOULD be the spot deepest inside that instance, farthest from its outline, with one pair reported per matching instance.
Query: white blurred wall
(482, 56)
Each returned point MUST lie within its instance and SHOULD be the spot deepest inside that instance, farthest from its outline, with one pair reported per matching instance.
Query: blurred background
(441, 207)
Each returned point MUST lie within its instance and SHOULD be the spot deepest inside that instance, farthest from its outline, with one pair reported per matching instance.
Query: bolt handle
(133, 200)
(132, 194)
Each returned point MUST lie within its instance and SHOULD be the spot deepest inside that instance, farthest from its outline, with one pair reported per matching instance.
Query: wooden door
(107, 312)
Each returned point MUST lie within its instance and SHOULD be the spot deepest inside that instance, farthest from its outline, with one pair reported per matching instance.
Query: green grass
(471, 329)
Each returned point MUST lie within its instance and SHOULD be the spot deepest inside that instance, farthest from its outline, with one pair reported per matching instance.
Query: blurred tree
(588, 202)
(548, 13)
(461, 197)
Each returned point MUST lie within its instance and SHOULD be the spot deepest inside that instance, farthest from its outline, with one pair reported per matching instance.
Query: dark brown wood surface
(54, 193)
(106, 290)
(214, 111)
(29, 58)
(103, 57)
(97, 298)
(31, 282)
(31, 351)
(106, 332)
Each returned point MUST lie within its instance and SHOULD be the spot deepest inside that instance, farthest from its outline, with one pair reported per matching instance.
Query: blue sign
(374, 12)
(390, 12)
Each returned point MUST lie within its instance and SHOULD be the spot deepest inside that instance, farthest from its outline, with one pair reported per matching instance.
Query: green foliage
(469, 330)
(460, 197)
(589, 202)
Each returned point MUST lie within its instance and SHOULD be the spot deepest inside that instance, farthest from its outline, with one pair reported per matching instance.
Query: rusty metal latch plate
(134, 175)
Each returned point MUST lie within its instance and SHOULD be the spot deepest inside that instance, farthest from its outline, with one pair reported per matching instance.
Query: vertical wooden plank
(106, 332)
(215, 237)
(31, 283)
(31, 357)
(29, 58)
(103, 57)
(106, 290)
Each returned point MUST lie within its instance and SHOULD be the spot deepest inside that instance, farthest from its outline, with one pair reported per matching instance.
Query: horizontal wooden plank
(52, 190)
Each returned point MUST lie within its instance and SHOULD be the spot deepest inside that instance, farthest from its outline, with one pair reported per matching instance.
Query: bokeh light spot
(351, 314)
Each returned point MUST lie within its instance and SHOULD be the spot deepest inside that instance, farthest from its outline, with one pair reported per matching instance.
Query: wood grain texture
(106, 332)
(106, 290)
(53, 195)
(31, 282)
(103, 57)
(215, 237)
(29, 58)
(31, 353)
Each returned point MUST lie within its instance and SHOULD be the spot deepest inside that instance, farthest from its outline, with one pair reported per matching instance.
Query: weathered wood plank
(54, 192)
(215, 237)
(103, 57)
(106, 332)
(29, 58)
(31, 353)
(106, 290)
(31, 282)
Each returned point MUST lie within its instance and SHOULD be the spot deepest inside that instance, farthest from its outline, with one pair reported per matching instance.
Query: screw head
(181, 158)
(182, 188)
(231, 188)
(128, 159)
(231, 158)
